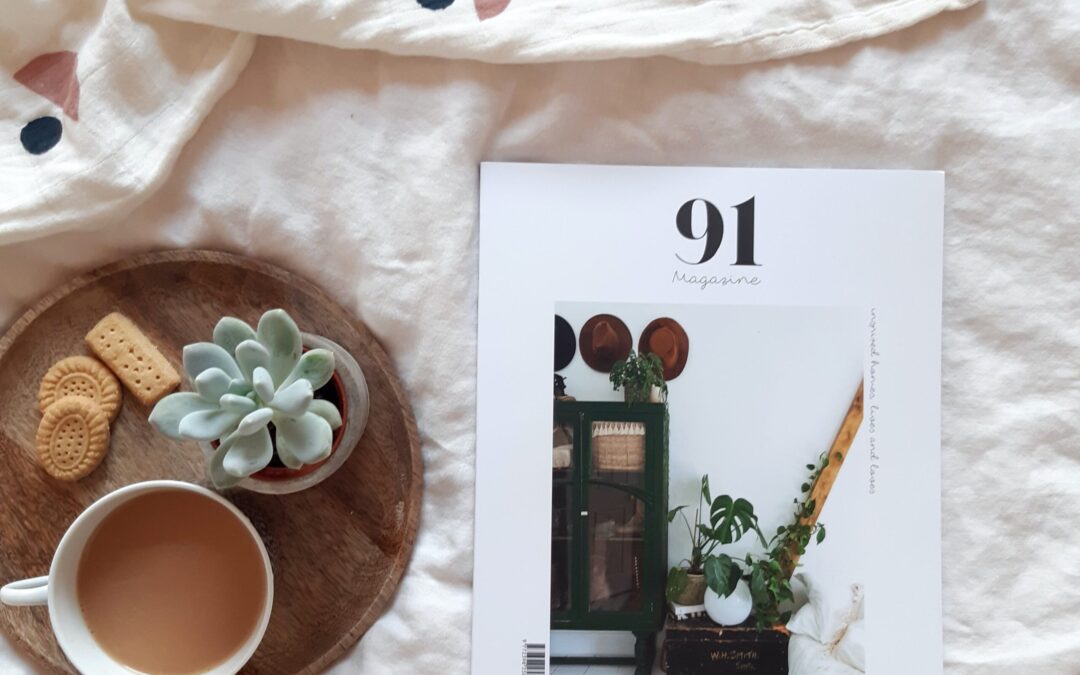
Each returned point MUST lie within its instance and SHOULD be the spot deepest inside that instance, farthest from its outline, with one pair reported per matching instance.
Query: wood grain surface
(838, 453)
(338, 550)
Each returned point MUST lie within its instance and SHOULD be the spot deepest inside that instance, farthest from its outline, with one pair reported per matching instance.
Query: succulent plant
(245, 380)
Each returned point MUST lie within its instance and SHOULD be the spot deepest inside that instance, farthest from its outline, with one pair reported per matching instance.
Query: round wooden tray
(339, 549)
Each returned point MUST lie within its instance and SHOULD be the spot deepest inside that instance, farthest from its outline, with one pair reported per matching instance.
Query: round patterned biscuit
(72, 438)
(81, 376)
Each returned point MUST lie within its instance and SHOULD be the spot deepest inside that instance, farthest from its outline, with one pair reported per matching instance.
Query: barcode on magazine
(533, 656)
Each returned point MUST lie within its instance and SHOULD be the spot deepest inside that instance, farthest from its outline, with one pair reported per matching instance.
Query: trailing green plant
(768, 575)
(791, 540)
(637, 374)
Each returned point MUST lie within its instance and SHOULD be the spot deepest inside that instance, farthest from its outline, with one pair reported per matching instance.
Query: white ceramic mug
(58, 589)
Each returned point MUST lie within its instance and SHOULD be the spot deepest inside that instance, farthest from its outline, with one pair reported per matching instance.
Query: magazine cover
(708, 421)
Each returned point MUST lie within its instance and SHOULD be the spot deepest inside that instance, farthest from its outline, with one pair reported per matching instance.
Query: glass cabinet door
(562, 515)
(616, 515)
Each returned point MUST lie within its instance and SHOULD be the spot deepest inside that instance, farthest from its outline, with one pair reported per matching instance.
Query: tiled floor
(592, 670)
(598, 670)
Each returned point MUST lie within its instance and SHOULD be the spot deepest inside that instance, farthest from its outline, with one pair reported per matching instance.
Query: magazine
(708, 421)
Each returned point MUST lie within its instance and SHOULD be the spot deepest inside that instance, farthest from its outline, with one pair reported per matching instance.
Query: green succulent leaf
(263, 384)
(316, 366)
(218, 475)
(251, 354)
(237, 404)
(294, 399)
(279, 334)
(166, 415)
(288, 458)
(254, 421)
(204, 355)
(230, 332)
(248, 454)
(240, 387)
(308, 437)
(212, 384)
(208, 425)
(326, 410)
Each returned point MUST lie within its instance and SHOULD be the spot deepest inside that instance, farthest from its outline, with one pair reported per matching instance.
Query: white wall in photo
(763, 394)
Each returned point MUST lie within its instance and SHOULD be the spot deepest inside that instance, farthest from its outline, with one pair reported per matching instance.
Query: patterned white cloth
(95, 105)
(358, 169)
(528, 31)
(134, 83)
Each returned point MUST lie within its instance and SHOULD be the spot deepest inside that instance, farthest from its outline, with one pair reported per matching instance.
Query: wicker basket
(618, 446)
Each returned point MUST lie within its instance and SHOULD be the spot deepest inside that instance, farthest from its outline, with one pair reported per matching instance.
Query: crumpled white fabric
(150, 70)
(807, 656)
(525, 31)
(358, 170)
(830, 608)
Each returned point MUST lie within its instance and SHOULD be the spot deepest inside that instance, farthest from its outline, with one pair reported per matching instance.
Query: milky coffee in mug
(171, 583)
(160, 577)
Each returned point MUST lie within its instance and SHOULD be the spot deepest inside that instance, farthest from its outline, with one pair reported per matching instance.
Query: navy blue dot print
(41, 135)
(435, 4)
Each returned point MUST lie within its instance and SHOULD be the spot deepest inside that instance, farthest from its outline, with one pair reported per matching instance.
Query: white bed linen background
(358, 169)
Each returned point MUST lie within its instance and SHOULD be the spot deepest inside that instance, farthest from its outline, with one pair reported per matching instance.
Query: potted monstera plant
(758, 584)
(275, 410)
(708, 577)
(686, 581)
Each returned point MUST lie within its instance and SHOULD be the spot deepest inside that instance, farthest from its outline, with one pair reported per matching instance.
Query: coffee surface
(171, 583)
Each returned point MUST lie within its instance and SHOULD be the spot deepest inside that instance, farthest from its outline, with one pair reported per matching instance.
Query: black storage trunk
(700, 647)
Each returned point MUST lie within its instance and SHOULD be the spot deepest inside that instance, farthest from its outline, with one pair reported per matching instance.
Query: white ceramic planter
(732, 610)
(656, 395)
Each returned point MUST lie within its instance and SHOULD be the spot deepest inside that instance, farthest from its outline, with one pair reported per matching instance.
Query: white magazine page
(795, 316)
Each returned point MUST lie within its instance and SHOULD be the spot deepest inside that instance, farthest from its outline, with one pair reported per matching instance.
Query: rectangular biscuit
(136, 361)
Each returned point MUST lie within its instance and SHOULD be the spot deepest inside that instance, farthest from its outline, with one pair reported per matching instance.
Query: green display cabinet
(609, 523)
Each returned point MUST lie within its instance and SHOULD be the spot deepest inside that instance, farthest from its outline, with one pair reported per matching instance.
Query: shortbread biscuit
(80, 376)
(135, 360)
(72, 438)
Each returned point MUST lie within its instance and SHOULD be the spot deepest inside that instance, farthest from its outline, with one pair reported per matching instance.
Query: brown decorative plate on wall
(338, 549)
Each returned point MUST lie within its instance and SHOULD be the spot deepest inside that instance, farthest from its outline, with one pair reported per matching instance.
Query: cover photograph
(708, 421)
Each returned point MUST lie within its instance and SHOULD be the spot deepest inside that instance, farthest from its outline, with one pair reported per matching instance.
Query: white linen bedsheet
(358, 170)
(807, 656)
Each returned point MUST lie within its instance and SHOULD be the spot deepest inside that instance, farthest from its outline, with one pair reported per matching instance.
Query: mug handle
(26, 592)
